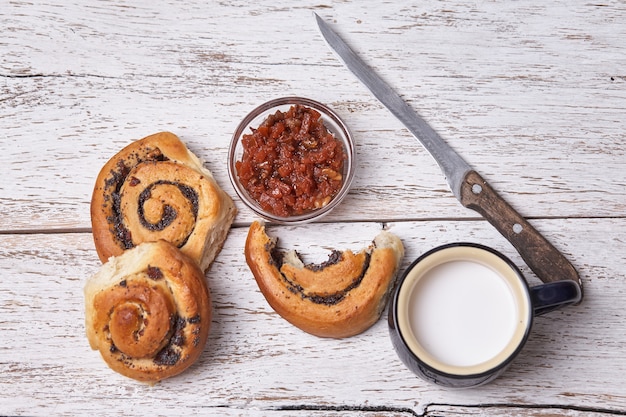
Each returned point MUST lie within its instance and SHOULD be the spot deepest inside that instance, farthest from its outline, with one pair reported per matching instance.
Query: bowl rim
(346, 140)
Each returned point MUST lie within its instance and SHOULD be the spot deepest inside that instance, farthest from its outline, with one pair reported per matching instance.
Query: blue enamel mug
(463, 311)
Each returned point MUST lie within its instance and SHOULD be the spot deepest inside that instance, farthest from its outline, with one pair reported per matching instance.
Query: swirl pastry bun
(153, 189)
(148, 312)
(339, 298)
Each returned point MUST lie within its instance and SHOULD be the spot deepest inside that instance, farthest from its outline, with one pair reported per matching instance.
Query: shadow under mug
(462, 312)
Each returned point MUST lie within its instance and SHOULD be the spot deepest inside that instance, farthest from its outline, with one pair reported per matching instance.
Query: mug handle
(553, 295)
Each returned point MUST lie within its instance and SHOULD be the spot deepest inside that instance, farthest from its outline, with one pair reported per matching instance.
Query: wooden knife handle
(540, 255)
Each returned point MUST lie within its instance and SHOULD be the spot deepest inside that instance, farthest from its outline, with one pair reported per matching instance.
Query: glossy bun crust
(340, 298)
(148, 312)
(156, 189)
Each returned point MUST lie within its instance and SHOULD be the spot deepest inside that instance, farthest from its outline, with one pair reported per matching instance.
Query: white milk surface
(463, 313)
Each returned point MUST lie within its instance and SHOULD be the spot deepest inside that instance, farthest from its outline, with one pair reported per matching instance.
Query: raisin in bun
(148, 312)
(153, 189)
(339, 298)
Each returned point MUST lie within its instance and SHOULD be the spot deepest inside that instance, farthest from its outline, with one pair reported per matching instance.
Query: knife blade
(473, 192)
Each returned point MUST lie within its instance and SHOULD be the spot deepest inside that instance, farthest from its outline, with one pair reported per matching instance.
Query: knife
(466, 184)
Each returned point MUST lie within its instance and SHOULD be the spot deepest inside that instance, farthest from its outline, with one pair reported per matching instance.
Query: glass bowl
(254, 119)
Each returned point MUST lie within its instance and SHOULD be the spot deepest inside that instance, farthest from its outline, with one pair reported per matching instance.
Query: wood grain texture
(254, 360)
(531, 94)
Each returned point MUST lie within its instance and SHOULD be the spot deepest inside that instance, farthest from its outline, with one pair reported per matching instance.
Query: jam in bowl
(291, 160)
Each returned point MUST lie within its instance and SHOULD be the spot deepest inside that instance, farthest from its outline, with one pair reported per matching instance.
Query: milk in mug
(464, 311)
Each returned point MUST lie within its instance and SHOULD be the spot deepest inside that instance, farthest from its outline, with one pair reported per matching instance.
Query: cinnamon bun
(155, 188)
(338, 298)
(148, 312)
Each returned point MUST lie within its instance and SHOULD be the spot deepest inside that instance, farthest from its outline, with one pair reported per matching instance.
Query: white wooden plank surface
(533, 94)
(255, 360)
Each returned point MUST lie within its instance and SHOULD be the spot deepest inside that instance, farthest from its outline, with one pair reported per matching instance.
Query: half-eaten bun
(339, 298)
